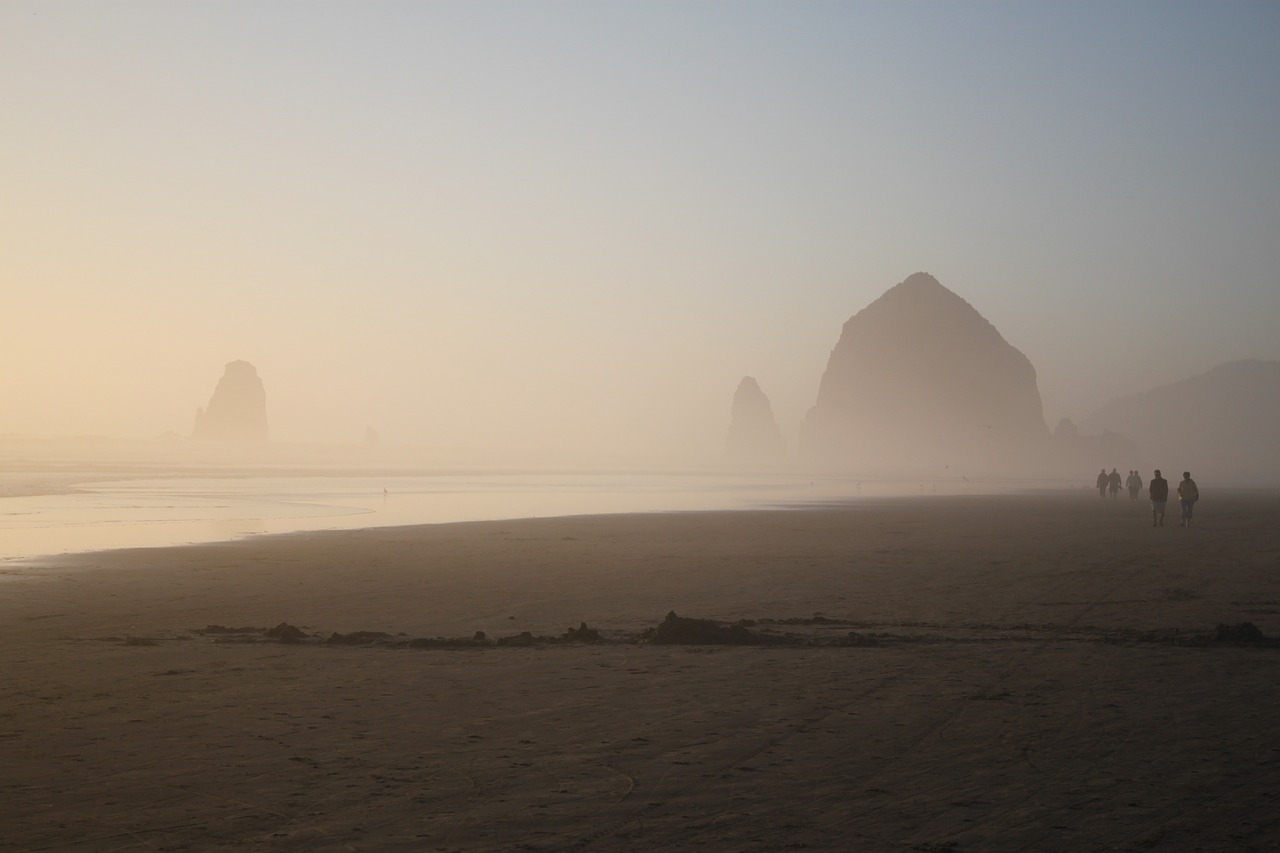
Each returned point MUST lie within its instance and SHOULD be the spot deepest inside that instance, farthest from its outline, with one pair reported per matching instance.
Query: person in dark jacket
(1113, 482)
(1159, 492)
(1103, 480)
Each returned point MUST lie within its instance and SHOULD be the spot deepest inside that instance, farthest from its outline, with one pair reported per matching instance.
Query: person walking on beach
(1134, 484)
(1188, 494)
(1159, 492)
(1103, 479)
(1113, 482)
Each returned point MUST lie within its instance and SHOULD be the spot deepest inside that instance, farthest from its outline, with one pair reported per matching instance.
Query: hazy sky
(577, 225)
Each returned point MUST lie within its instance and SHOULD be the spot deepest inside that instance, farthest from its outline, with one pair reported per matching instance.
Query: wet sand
(1037, 675)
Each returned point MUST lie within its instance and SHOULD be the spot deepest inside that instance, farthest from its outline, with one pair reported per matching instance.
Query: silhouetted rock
(753, 432)
(920, 382)
(237, 410)
(1221, 425)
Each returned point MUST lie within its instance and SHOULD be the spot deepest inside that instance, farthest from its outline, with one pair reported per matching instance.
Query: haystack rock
(753, 432)
(921, 383)
(237, 410)
(1221, 425)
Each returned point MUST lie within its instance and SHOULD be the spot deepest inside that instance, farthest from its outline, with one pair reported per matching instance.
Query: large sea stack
(237, 410)
(920, 383)
(753, 432)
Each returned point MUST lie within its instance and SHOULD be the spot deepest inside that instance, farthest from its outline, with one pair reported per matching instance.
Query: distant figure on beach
(1113, 482)
(1103, 479)
(1188, 494)
(1134, 484)
(1159, 491)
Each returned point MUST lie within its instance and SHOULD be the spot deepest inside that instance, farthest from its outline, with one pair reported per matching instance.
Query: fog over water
(557, 236)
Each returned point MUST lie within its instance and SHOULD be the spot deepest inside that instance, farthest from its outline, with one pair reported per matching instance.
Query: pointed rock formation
(1221, 425)
(237, 410)
(753, 433)
(920, 382)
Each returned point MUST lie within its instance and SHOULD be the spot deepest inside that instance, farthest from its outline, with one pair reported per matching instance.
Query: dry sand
(1035, 686)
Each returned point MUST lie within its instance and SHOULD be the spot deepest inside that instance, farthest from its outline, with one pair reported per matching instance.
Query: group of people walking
(1157, 490)
(1110, 483)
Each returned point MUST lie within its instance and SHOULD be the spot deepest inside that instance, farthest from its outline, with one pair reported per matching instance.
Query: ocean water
(176, 510)
(155, 511)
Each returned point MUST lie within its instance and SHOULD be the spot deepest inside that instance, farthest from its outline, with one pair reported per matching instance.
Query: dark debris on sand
(677, 630)
(478, 641)
(673, 630)
(581, 634)
(1240, 634)
(285, 633)
(282, 633)
(1222, 634)
(360, 638)
(683, 631)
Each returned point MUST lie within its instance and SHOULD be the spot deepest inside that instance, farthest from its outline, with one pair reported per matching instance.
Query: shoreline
(86, 514)
(70, 559)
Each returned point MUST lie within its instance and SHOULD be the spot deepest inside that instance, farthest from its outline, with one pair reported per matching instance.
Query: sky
(569, 229)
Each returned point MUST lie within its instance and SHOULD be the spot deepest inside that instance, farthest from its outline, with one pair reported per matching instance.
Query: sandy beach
(996, 673)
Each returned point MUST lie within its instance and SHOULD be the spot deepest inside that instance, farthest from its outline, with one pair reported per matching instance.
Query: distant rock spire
(237, 411)
(753, 432)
